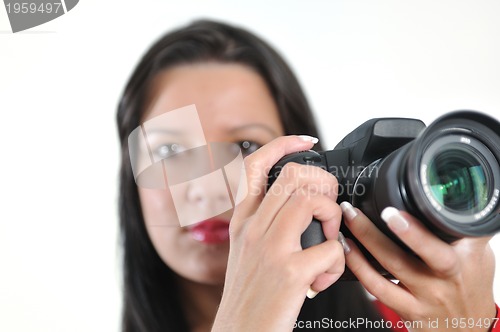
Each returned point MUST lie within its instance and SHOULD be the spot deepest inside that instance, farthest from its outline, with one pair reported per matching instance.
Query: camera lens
(459, 179)
(448, 177)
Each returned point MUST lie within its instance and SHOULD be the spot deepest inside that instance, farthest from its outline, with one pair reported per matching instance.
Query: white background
(59, 86)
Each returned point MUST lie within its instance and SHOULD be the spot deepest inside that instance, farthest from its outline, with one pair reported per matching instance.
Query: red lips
(211, 231)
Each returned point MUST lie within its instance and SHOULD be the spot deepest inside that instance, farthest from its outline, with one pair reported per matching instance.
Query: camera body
(446, 175)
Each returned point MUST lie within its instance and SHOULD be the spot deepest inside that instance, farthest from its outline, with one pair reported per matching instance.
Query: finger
(323, 281)
(295, 177)
(392, 257)
(437, 254)
(327, 257)
(297, 213)
(260, 162)
(383, 289)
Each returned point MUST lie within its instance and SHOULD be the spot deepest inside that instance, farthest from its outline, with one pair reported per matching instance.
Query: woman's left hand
(451, 284)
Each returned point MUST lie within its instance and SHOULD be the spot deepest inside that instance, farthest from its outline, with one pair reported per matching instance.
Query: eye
(168, 150)
(248, 147)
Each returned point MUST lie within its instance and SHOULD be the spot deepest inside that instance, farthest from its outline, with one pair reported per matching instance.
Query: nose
(209, 192)
(207, 182)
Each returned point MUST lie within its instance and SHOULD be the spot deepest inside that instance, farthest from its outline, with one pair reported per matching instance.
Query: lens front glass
(459, 179)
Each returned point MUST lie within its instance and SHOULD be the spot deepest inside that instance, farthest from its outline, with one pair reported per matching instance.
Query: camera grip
(313, 235)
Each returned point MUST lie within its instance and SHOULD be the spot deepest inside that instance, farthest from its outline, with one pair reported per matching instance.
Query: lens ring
(458, 179)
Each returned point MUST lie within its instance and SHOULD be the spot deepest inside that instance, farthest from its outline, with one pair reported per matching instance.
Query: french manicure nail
(311, 293)
(348, 210)
(344, 244)
(308, 138)
(394, 219)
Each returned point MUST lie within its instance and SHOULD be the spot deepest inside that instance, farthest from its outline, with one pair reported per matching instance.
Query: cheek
(167, 241)
(162, 224)
(176, 247)
(158, 208)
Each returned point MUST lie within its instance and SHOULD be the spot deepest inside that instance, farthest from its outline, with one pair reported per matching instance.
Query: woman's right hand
(268, 273)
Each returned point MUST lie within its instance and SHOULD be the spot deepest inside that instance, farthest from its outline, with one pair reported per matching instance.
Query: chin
(210, 271)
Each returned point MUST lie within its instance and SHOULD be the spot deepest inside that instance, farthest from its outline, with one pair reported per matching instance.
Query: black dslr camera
(447, 175)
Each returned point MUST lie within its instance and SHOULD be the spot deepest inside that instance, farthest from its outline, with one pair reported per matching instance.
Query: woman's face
(234, 106)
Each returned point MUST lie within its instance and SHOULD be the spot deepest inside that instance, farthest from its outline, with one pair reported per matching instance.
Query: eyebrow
(255, 125)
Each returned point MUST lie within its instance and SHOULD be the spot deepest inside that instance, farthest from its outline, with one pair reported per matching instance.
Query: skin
(268, 274)
(233, 104)
(451, 281)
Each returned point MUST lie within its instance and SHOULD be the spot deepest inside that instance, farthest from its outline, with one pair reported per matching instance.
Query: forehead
(231, 93)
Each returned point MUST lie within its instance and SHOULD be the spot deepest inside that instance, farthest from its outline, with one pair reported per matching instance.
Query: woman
(174, 277)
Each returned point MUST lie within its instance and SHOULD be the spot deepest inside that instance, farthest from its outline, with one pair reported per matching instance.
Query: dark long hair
(151, 302)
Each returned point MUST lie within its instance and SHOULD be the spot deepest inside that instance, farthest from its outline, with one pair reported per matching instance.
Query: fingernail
(348, 210)
(344, 244)
(394, 219)
(311, 293)
(308, 138)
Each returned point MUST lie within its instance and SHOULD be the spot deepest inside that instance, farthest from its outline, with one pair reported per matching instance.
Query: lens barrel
(448, 177)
